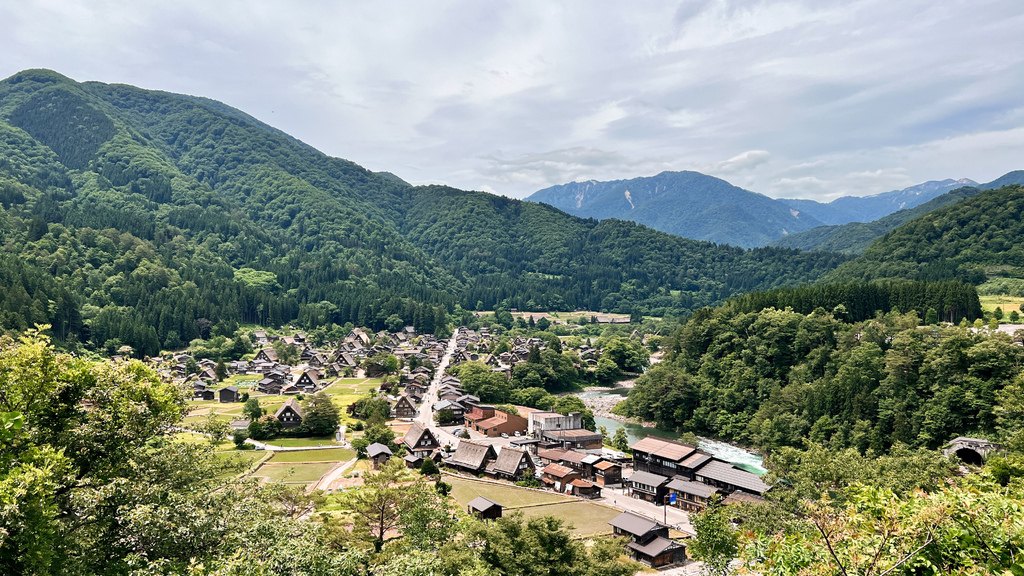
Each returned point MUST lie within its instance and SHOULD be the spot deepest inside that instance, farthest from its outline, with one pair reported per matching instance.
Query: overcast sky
(814, 99)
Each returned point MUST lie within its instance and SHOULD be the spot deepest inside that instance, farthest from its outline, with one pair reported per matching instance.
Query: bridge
(972, 451)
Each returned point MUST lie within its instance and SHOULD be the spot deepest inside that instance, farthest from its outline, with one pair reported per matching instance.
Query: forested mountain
(689, 204)
(148, 219)
(870, 208)
(977, 236)
(775, 378)
(855, 237)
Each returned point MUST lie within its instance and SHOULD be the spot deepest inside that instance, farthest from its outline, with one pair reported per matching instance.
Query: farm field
(1007, 303)
(293, 473)
(464, 490)
(304, 456)
(586, 518)
(303, 442)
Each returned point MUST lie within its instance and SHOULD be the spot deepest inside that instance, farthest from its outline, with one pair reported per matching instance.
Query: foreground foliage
(94, 481)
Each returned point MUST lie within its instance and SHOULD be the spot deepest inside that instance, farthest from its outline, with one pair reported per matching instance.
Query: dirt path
(333, 475)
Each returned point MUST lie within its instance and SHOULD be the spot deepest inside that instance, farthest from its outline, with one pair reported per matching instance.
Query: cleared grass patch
(1007, 303)
(246, 457)
(464, 490)
(587, 518)
(332, 455)
(293, 473)
(303, 442)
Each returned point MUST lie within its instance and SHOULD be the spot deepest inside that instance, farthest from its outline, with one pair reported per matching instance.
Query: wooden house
(647, 486)
(649, 543)
(420, 440)
(378, 454)
(512, 464)
(558, 477)
(471, 458)
(289, 414)
(229, 394)
(484, 508)
(267, 354)
(404, 408)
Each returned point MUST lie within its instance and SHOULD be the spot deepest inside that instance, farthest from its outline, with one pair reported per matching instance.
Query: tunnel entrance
(969, 457)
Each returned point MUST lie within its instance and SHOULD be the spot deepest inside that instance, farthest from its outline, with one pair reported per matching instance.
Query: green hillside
(149, 219)
(976, 237)
(855, 237)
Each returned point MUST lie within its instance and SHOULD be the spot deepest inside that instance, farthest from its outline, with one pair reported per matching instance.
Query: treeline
(951, 301)
(173, 213)
(775, 378)
(964, 242)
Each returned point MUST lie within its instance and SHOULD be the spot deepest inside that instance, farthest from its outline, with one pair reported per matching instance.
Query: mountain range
(703, 207)
(688, 204)
(147, 219)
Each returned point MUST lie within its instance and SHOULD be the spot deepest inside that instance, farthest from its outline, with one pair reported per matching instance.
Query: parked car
(503, 435)
(457, 432)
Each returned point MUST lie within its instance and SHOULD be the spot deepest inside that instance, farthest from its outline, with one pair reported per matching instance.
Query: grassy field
(1007, 303)
(293, 473)
(464, 490)
(242, 456)
(304, 442)
(305, 456)
(587, 518)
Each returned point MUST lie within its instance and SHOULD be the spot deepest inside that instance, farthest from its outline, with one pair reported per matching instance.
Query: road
(426, 413)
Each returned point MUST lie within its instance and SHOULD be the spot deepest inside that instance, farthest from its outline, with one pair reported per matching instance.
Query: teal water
(737, 456)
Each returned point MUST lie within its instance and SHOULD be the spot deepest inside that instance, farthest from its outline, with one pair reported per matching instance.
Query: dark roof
(472, 455)
(376, 449)
(231, 388)
(414, 435)
(481, 504)
(633, 524)
(655, 547)
(647, 478)
(292, 404)
(729, 474)
(695, 488)
(509, 459)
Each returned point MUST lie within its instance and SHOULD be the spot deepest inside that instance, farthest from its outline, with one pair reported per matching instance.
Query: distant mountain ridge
(870, 208)
(688, 204)
(854, 237)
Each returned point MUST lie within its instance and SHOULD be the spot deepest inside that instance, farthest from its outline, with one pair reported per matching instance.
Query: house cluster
(676, 474)
(481, 346)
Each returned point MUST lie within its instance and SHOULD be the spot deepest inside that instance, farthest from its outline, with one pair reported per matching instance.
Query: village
(498, 456)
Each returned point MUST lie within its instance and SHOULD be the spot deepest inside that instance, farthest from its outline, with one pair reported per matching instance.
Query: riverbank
(602, 399)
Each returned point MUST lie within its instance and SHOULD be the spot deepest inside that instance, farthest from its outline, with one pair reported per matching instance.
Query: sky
(815, 99)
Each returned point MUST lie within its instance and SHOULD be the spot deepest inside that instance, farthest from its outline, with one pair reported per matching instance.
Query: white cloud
(850, 97)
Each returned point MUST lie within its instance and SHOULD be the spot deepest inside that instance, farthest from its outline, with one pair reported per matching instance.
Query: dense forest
(148, 219)
(772, 378)
(855, 237)
(976, 237)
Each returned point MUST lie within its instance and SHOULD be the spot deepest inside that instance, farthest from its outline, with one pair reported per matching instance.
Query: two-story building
(649, 543)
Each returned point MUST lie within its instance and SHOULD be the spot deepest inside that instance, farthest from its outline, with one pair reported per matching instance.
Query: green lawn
(242, 456)
(299, 473)
(587, 518)
(332, 455)
(304, 442)
(509, 496)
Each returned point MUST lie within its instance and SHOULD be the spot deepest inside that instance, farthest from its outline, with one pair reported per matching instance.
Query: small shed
(229, 394)
(378, 453)
(484, 508)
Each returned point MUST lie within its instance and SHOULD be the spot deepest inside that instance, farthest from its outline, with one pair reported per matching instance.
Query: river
(732, 454)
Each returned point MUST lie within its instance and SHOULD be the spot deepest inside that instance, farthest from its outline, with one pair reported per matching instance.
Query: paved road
(426, 414)
(675, 517)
